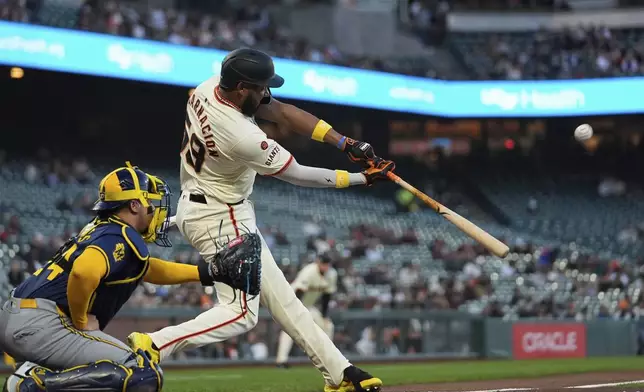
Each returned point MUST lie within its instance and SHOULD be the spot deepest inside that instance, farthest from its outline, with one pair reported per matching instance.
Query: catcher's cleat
(18, 384)
(25, 380)
(141, 341)
(10, 384)
(356, 380)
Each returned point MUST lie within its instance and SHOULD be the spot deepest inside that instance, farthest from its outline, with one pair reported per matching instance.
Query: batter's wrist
(358, 179)
(320, 131)
(341, 143)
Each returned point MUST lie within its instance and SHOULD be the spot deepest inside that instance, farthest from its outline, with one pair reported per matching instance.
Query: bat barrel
(492, 244)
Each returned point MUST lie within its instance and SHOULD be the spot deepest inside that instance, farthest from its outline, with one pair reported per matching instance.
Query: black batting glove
(359, 152)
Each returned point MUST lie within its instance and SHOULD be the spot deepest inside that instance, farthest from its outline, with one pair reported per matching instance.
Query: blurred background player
(222, 153)
(54, 319)
(317, 281)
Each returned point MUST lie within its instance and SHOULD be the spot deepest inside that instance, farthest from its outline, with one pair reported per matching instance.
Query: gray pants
(36, 331)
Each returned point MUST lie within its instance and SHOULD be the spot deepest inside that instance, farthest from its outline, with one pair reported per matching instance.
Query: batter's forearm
(317, 177)
(301, 122)
(166, 272)
(311, 126)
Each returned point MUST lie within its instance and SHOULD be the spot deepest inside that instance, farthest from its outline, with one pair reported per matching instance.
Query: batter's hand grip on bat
(492, 244)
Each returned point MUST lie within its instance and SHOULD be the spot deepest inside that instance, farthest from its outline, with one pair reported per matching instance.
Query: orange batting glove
(378, 169)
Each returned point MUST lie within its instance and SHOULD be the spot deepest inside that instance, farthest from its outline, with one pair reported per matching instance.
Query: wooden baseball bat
(495, 246)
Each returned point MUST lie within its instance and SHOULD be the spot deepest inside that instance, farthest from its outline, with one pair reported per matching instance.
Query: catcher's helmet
(130, 183)
(251, 66)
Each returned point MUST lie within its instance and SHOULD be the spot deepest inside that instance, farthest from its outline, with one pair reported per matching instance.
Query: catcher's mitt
(239, 264)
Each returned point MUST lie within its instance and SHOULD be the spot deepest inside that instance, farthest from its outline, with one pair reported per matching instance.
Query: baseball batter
(222, 152)
(315, 282)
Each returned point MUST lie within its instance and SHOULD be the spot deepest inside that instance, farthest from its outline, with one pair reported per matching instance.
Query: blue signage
(126, 58)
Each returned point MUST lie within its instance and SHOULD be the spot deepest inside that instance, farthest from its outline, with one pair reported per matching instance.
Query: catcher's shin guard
(99, 376)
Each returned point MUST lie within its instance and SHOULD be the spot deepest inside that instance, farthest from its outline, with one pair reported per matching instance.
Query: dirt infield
(571, 382)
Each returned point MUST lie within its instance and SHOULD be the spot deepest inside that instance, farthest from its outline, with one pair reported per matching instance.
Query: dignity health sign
(126, 58)
(565, 340)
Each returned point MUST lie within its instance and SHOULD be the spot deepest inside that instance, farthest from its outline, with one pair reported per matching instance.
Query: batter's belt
(201, 199)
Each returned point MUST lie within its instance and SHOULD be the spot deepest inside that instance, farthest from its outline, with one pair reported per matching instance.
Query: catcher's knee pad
(104, 376)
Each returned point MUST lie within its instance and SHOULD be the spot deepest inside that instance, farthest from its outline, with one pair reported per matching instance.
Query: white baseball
(583, 132)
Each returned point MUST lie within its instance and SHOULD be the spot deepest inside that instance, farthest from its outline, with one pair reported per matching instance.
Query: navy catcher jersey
(126, 255)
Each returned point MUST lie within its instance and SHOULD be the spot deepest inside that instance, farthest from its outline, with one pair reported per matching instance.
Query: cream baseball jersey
(222, 149)
(315, 284)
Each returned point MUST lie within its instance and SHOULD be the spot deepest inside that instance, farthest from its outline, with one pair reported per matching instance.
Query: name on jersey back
(204, 124)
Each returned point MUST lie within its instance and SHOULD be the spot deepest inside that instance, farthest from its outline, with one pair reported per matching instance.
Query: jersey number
(196, 152)
(54, 270)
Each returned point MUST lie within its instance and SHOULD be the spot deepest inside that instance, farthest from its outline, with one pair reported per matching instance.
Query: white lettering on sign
(509, 100)
(337, 86)
(148, 62)
(551, 341)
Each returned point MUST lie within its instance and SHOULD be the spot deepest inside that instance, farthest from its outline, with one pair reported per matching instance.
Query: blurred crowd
(572, 53)
(464, 278)
(380, 288)
(511, 5)
(376, 287)
(222, 26)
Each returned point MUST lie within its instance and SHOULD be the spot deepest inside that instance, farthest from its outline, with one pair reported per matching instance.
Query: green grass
(638, 385)
(307, 379)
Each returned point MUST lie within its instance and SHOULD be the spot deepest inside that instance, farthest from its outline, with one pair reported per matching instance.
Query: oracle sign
(548, 340)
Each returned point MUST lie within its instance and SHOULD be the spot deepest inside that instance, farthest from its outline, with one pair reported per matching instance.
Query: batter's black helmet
(251, 66)
(325, 257)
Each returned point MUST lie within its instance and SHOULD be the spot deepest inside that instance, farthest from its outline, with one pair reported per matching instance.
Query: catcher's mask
(130, 183)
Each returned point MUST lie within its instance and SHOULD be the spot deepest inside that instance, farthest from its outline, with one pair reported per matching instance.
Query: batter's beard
(249, 107)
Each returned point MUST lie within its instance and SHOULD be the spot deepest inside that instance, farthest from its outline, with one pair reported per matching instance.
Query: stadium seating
(547, 54)
(560, 225)
(570, 53)
(570, 210)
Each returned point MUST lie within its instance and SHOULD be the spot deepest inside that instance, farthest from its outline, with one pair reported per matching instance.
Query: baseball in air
(583, 132)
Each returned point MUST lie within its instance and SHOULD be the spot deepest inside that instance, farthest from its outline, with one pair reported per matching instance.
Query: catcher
(52, 324)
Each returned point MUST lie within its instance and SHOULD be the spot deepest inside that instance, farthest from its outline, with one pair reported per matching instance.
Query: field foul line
(613, 384)
(505, 390)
